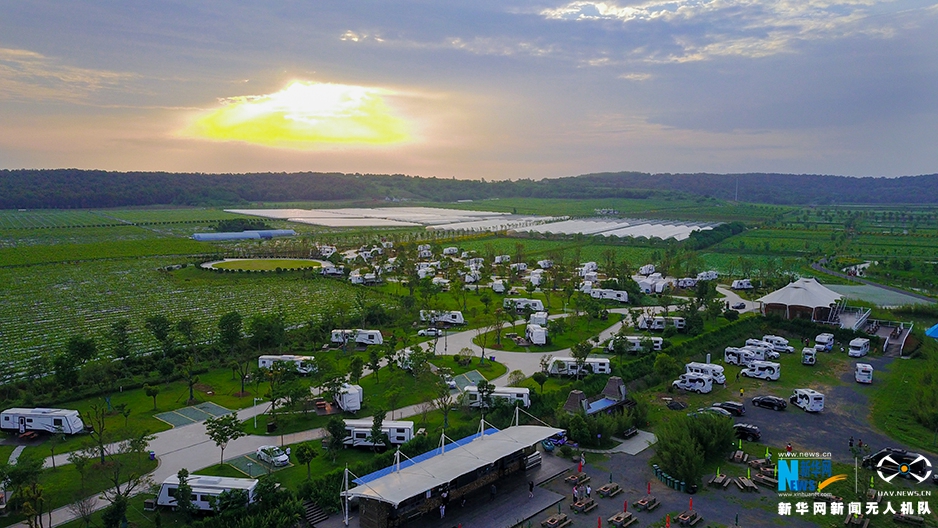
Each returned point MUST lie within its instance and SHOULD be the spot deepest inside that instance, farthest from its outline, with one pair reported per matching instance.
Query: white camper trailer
(808, 356)
(368, 337)
(350, 397)
(614, 295)
(330, 271)
(808, 399)
(358, 432)
(715, 372)
(204, 489)
(538, 318)
(423, 247)
(22, 420)
(859, 347)
(475, 262)
(519, 266)
(738, 356)
(536, 334)
(435, 317)
(863, 373)
(646, 270)
(545, 264)
(635, 343)
(779, 344)
(450, 251)
(342, 336)
(304, 364)
(824, 342)
(516, 396)
(498, 286)
(502, 259)
(686, 283)
(741, 284)
(520, 304)
(708, 275)
(767, 349)
(693, 383)
(766, 370)
(566, 366)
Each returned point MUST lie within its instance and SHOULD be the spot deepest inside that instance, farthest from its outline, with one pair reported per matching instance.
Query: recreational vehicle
(646, 270)
(304, 364)
(635, 343)
(437, 317)
(538, 318)
(808, 399)
(859, 347)
(738, 356)
(358, 432)
(450, 250)
(677, 322)
(824, 342)
(686, 283)
(708, 275)
(536, 334)
(520, 304)
(693, 383)
(516, 396)
(22, 420)
(423, 247)
(567, 366)
(864, 373)
(359, 336)
(779, 344)
(741, 284)
(766, 370)
(545, 264)
(475, 262)
(424, 254)
(333, 271)
(715, 372)
(519, 266)
(612, 295)
(349, 397)
(502, 259)
(768, 350)
(204, 489)
(808, 356)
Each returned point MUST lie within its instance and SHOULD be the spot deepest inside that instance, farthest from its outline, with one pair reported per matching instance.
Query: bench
(648, 503)
(909, 519)
(557, 520)
(760, 464)
(765, 480)
(583, 505)
(858, 520)
(630, 432)
(740, 457)
(622, 519)
(718, 481)
(29, 435)
(747, 485)
(689, 518)
(610, 490)
(874, 496)
(577, 479)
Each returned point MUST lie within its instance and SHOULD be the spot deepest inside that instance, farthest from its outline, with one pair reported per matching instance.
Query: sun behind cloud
(305, 115)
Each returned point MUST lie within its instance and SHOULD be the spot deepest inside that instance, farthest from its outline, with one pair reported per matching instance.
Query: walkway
(819, 266)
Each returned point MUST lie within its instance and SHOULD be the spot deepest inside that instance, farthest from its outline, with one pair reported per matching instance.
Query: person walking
(530, 488)
(741, 391)
(738, 373)
(589, 491)
(576, 494)
(788, 448)
(850, 443)
(492, 492)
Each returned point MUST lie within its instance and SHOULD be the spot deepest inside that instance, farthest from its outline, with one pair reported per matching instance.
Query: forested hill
(72, 188)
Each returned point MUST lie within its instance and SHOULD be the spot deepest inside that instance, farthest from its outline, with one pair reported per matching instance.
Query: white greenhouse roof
(443, 468)
(803, 292)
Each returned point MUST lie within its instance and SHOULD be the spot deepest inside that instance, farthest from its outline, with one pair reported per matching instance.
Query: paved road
(819, 266)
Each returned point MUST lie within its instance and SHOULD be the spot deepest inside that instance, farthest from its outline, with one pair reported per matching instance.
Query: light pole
(255, 414)
(446, 344)
(251, 469)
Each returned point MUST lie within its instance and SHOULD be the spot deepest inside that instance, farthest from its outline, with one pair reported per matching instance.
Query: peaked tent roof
(932, 332)
(803, 292)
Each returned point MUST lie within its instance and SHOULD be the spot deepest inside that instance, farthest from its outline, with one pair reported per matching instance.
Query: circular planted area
(264, 264)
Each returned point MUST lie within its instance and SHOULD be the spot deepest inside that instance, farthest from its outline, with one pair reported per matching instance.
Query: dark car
(899, 461)
(739, 306)
(734, 408)
(747, 432)
(770, 402)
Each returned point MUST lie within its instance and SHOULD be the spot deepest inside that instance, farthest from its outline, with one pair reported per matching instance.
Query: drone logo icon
(888, 469)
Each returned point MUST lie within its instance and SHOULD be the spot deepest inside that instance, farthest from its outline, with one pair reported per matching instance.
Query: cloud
(304, 115)
(29, 76)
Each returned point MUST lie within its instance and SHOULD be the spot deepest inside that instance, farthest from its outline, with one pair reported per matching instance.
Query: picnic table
(647, 503)
(577, 478)
(856, 520)
(746, 485)
(874, 496)
(689, 518)
(610, 490)
(765, 480)
(622, 519)
(760, 463)
(720, 481)
(740, 457)
(629, 433)
(909, 519)
(29, 435)
(583, 505)
(557, 520)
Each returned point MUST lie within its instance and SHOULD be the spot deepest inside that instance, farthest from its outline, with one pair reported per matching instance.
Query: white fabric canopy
(803, 292)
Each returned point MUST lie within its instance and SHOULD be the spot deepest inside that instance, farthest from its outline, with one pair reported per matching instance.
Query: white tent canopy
(442, 469)
(803, 292)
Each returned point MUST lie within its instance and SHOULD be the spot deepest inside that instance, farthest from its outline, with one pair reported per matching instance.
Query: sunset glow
(305, 115)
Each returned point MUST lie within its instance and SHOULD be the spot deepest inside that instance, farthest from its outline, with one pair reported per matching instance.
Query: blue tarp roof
(244, 235)
(600, 405)
(932, 332)
(420, 458)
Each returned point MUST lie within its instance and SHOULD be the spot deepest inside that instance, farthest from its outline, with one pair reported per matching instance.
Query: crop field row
(26, 255)
(46, 218)
(76, 235)
(42, 306)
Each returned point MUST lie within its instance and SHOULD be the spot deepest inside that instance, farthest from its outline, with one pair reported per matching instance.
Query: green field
(267, 264)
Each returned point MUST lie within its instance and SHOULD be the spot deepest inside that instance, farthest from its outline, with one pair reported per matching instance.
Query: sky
(471, 89)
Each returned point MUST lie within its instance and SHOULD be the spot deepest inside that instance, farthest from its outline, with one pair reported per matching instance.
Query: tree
(356, 368)
(81, 349)
(152, 391)
(580, 352)
(515, 377)
(160, 326)
(305, 453)
(336, 429)
(188, 330)
(242, 367)
(485, 393)
(374, 362)
(540, 378)
(188, 372)
(224, 429)
(376, 436)
(119, 336)
(229, 331)
(393, 396)
(665, 365)
(444, 400)
(184, 494)
(99, 432)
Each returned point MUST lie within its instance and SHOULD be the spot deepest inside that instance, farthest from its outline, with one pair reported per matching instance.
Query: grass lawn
(267, 264)
(890, 404)
(136, 516)
(578, 329)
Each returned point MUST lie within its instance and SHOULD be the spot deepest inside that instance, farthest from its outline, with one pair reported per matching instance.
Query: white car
(430, 332)
(272, 455)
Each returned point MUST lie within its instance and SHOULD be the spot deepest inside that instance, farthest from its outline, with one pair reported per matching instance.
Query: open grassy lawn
(136, 517)
(577, 330)
(267, 264)
(890, 404)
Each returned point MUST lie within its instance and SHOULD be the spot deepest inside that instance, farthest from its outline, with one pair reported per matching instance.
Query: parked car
(450, 382)
(747, 432)
(272, 455)
(734, 408)
(713, 410)
(430, 332)
(739, 306)
(770, 402)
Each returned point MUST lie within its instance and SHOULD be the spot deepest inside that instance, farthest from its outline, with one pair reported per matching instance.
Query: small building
(614, 397)
(802, 299)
